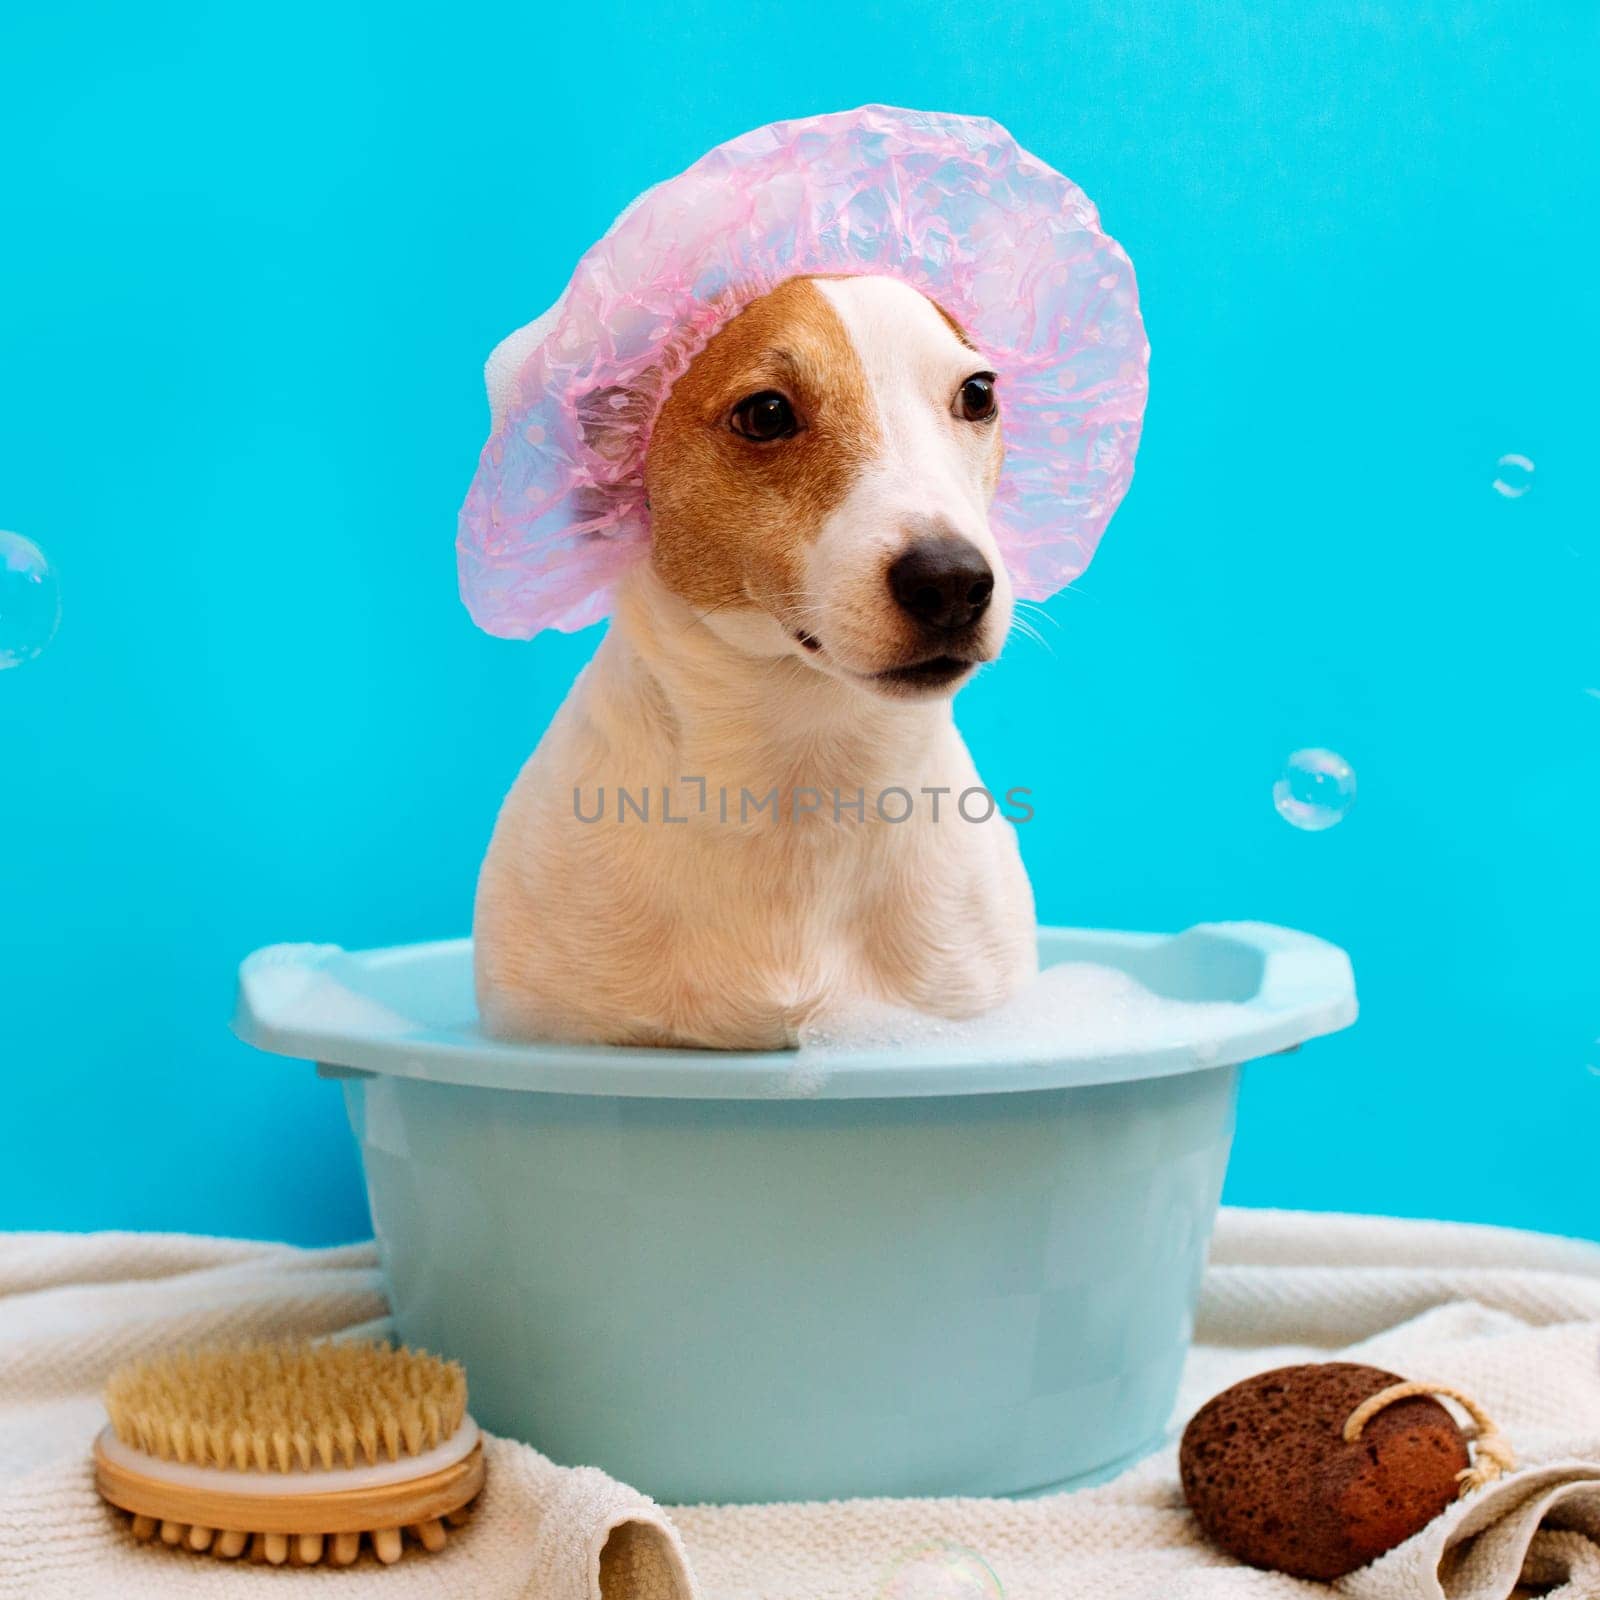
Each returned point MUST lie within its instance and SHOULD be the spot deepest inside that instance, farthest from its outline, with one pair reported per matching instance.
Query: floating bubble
(1317, 789)
(1514, 477)
(942, 1572)
(30, 600)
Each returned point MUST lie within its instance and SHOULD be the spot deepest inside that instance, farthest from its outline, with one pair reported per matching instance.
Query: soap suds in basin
(1072, 1011)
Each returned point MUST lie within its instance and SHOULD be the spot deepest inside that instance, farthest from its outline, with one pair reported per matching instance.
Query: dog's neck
(738, 719)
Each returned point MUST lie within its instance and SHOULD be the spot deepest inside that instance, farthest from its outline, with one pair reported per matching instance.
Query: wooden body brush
(290, 1452)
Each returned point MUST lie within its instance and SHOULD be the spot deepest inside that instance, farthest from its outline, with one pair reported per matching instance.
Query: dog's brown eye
(764, 417)
(975, 398)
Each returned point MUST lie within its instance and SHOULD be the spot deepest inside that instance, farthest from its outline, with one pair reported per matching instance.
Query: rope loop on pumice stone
(1492, 1455)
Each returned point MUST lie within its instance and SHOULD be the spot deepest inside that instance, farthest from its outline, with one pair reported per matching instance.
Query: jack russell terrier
(822, 578)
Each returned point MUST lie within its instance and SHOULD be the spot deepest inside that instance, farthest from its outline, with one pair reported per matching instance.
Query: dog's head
(819, 482)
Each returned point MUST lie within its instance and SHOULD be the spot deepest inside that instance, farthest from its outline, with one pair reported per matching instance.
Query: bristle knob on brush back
(292, 1450)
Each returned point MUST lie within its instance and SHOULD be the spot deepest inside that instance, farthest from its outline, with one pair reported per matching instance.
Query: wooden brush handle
(395, 1505)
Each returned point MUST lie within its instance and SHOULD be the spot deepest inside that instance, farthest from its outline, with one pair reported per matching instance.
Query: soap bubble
(1514, 477)
(942, 1572)
(1317, 789)
(30, 600)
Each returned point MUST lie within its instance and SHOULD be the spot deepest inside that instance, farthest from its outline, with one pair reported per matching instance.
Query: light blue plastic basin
(929, 1271)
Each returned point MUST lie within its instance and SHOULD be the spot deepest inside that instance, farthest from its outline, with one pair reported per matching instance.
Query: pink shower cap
(950, 205)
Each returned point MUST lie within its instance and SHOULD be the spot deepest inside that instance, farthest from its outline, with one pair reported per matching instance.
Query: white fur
(734, 933)
(930, 467)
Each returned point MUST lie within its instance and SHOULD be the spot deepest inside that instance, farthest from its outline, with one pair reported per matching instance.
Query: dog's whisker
(1030, 632)
(710, 611)
(1034, 609)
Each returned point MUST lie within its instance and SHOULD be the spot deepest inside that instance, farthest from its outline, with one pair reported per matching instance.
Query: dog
(744, 818)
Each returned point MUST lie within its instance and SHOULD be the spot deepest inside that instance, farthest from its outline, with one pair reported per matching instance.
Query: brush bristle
(290, 1406)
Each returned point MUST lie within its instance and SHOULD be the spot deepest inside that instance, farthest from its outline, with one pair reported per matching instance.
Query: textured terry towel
(1512, 1318)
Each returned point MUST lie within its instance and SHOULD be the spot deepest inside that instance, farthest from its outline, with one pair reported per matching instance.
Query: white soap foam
(1075, 1010)
(807, 1079)
(307, 982)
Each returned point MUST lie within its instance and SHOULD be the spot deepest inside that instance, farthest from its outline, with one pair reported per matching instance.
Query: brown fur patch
(731, 519)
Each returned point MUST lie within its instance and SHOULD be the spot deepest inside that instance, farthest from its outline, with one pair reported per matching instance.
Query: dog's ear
(608, 418)
(506, 360)
(609, 422)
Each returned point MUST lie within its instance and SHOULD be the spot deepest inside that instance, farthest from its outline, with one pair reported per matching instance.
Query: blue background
(252, 260)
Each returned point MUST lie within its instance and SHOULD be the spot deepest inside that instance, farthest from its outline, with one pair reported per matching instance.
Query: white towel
(1511, 1318)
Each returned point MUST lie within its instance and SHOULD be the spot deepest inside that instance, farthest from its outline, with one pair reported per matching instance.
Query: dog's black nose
(943, 581)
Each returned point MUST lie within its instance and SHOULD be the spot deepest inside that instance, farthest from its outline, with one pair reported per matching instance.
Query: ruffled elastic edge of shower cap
(950, 205)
